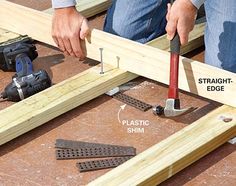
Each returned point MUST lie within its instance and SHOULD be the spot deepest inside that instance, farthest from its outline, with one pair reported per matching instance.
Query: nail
(118, 61)
(227, 120)
(102, 70)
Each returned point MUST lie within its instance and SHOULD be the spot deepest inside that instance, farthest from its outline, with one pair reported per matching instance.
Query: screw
(118, 61)
(101, 59)
(227, 120)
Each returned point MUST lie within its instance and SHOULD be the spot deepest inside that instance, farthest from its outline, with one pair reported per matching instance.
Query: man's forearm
(197, 3)
(63, 3)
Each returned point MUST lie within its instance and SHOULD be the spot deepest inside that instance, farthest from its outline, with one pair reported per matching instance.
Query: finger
(183, 38)
(171, 27)
(76, 47)
(84, 32)
(168, 11)
(68, 47)
(61, 46)
(183, 31)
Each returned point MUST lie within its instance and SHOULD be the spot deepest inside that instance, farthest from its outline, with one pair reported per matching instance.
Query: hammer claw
(171, 111)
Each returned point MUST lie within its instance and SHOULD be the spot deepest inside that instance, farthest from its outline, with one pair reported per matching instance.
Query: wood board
(89, 8)
(196, 40)
(151, 181)
(60, 98)
(173, 154)
(162, 45)
(7, 35)
(125, 54)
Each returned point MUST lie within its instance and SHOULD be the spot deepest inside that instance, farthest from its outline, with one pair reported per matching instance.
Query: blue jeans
(138, 20)
(144, 20)
(220, 34)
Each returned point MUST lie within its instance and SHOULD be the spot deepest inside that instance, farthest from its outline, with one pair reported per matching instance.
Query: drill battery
(9, 51)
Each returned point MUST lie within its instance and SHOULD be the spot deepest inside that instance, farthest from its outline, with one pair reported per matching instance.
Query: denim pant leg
(220, 34)
(138, 20)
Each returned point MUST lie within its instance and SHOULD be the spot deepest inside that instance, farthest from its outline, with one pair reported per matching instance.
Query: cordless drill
(10, 49)
(25, 83)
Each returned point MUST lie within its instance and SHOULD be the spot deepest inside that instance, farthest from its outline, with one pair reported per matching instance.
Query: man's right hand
(181, 18)
(69, 27)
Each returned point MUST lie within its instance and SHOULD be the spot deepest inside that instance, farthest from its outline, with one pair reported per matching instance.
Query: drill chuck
(26, 86)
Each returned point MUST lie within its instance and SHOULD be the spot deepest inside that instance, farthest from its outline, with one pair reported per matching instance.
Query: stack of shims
(68, 149)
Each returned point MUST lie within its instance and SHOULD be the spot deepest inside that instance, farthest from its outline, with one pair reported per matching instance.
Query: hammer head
(172, 109)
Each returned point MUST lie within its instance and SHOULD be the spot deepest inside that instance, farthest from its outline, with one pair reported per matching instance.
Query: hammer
(172, 107)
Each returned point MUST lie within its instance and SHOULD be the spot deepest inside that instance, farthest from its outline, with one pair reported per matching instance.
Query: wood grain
(89, 8)
(46, 105)
(5, 35)
(125, 54)
(173, 154)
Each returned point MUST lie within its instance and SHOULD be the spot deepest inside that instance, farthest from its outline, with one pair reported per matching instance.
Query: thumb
(84, 32)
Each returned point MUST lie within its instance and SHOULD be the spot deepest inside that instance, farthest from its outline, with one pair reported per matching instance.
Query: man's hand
(181, 17)
(69, 27)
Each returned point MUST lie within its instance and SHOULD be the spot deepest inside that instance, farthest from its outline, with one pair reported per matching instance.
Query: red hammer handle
(174, 67)
(174, 78)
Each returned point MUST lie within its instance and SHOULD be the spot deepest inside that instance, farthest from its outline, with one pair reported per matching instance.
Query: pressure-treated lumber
(196, 40)
(129, 56)
(6, 35)
(12, 130)
(29, 117)
(89, 8)
(171, 155)
(222, 134)
(44, 106)
(18, 127)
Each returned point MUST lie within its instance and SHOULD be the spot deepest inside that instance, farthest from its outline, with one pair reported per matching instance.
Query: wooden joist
(44, 106)
(89, 8)
(7, 35)
(17, 128)
(150, 167)
(173, 154)
(127, 55)
(12, 131)
(196, 40)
